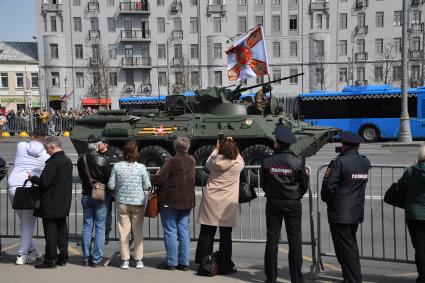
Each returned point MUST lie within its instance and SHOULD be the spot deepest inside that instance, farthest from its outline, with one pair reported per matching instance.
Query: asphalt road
(383, 234)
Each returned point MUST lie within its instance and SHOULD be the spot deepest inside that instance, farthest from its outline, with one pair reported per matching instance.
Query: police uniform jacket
(343, 187)
(283, 176)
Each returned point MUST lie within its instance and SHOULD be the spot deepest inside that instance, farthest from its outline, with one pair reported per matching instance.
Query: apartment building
(170, 46)
(19, 77)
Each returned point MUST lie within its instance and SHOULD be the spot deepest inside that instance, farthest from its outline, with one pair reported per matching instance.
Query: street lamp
(168, 57)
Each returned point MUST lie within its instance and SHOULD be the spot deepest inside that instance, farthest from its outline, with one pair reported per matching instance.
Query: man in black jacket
(285, 181)
(55, 185)
(343, 190)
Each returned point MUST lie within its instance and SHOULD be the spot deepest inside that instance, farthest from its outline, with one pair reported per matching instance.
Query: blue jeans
(175, 223)
(94, 213)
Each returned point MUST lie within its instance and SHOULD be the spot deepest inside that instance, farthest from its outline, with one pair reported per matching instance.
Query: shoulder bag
(246, 192)
(209, 265)
(26, 197)
(98, 189)
(394, 196)
(152, 204)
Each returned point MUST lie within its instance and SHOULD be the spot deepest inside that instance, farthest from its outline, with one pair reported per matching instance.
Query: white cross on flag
(247, 57)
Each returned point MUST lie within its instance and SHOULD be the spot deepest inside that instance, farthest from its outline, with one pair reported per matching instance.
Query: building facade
(19, 76)
(117, 48)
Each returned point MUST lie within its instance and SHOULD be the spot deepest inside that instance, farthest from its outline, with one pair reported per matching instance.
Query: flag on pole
(66, 96)
(27, 87)
(247, 57)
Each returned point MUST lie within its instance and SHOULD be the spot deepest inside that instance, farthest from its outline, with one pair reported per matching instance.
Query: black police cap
(284, 135)
(350, 138)
(104, 140)
(94, 139)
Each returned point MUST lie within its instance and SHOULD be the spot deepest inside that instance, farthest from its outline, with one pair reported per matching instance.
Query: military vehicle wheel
(201, 155)
(253, 155)
(153, 156)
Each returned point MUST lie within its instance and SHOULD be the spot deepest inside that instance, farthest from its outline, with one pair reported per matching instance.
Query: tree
(98, 75)
(183, 71)
(320, 69)
(387, 59)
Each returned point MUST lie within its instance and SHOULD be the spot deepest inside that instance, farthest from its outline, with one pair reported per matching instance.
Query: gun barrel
(274, 81)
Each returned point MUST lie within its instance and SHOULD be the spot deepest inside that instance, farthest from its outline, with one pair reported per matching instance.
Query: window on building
(293, 48)
(161, 51)
(276, 49)
(397, 18)
(319, 20)
(259, 2)
(342, 75)
(77, 24)
(327, 21)
(361, 73)
(396, 73)
(53, 26)
(178, 76)
(194, 24)
(54, 51)
(178, 51)
(259, 21)
(414, 72)
(276, 2)
(194, 2)
(397, 44)
(242, 24)
(319, 75)
(111, 24)
(160, 2)
(110, 3)
(19, 80)
(379, 73)
(291, 2)
(4, 80)
(217, 24)
(379, 20)
(34, 80)
(342, 47)
(161, 25)
(415, 43)
(177, 23)
(194, 51)
(319, 48)
(78, 51)
(218, 78)
(76, 2)
(80, 79)
(113, 78)
(112, 51)
(416, 17)
(379, 46)
(162, 78)
(361, 46)
(293, 23)
(277, 75)
(217, 51)
(293, 80)
(55, 79)
(194, 78)
(242, 2)
(275, 23)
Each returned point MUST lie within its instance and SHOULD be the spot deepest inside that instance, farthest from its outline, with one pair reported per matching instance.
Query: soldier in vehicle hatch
(261, 101)
(343, 190)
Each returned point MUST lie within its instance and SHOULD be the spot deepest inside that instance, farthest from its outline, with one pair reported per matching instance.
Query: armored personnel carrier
(201, 117)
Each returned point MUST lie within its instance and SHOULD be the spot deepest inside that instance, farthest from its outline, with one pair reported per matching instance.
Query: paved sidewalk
(248, 258)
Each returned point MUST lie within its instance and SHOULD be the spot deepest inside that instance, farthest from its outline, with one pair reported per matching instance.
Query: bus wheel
(253, 155)
(201, 155)
(369, 133)
(153, 155)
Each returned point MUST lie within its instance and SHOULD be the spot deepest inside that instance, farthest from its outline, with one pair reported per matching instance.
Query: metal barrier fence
(54, 126)
(383, 236)
(251, 229)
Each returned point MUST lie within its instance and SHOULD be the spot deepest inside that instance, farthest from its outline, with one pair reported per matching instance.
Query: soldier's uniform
(284, 180)
(261, 101)
(343, 189)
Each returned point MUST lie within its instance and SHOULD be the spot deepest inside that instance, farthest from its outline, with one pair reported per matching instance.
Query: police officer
(343, 189)
(284, 180)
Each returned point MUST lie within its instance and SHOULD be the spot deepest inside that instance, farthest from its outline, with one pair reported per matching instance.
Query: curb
(403, 144)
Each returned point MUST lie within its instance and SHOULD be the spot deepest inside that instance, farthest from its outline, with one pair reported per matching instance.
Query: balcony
(94, 61)
(361, 29)
(57, 8)
(361, 4)
(416, 2)
(136, 62)
(216, 9)
(177, 61)
(94, 34)
(135, 35)
(319, 6)
(145, 88)
(360, 56)
(415, 54)
(93, 6)
(176, 7)
(177, 34)
(416, 27)
(134, 8)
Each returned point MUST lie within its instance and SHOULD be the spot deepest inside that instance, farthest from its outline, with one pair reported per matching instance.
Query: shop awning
(95, 101)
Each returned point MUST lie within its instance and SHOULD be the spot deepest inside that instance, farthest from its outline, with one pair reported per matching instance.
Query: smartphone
(220, 136)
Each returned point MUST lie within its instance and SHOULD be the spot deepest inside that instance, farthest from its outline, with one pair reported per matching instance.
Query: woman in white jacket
(30, 157)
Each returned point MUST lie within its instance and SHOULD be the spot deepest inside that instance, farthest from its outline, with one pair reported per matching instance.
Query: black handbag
(394, 196)
(246, 192)
(26, 197)
(209, 265)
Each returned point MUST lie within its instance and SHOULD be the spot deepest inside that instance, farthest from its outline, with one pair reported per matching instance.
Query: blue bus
(371, 111)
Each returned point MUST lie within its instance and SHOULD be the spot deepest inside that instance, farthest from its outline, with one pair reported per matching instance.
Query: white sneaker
(124, 264)
(139, 264)
(35, 253)
(22, 259)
